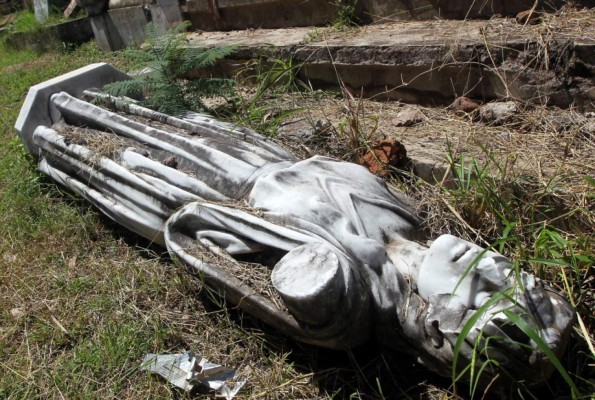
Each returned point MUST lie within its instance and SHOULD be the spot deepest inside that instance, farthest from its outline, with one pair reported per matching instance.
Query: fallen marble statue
(320, 249)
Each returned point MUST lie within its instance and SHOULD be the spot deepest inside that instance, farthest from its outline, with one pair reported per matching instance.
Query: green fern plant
(166, 60)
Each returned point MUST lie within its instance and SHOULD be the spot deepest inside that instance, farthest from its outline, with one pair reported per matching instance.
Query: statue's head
(506, 315)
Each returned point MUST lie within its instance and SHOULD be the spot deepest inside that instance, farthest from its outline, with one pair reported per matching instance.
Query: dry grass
(102, 144)
(253, 274)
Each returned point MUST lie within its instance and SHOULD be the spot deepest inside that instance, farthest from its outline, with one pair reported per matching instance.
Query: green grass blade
(543, 347)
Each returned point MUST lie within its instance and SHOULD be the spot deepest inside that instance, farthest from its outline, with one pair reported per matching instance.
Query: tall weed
(540, 232)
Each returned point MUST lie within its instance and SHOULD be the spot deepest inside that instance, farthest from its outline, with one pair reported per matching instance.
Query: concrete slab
(41, 10)
(130, 24)
(166, 14)
(36, 108)
(106, 34)
(113, 4)
(71, 32)
(243, 14)
(125, 26)
(434, 62)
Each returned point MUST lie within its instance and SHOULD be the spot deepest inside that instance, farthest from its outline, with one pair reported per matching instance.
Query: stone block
(123, 27)
(41, 9)
(36, 109)
(129, 24)
(242, 14)
(106, 34)
(71, 32)
(166, 16)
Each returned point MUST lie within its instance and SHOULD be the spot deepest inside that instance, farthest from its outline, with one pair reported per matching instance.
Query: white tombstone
(41, 9)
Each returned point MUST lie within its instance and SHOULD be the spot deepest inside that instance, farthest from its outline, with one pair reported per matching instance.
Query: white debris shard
(187, 370)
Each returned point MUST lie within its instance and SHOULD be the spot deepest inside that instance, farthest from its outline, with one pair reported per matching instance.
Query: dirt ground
(545, 142)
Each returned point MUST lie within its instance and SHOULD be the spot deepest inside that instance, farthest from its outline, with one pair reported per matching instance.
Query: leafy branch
(165, 60)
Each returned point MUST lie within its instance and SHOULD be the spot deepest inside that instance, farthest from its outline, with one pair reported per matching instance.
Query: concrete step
(433, 62)
(215, 15)
(532, 141)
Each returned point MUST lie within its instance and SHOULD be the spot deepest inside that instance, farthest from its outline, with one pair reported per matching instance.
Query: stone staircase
(243, 14)
(433, 62)
(416, 51)
(425, 52)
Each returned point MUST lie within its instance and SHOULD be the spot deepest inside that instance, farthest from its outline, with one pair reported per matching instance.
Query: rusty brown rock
(463, 105)
(528, 17)
(384, 154)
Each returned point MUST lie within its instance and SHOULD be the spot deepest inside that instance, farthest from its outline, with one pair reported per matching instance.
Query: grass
(258, 107)
(25, 21)
(543, 228)
(82, 300)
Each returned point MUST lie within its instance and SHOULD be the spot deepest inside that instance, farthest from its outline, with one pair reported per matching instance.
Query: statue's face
(453, 263)
(457, 278)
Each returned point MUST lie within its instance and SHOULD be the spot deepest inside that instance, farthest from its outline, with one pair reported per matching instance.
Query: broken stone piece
(463, 104)
(498, 113)
(408, 117)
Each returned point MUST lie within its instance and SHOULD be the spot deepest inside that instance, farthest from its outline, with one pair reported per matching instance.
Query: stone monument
(341, 256)
(41, 10)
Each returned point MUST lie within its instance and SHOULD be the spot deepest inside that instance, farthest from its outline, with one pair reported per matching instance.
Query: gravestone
(41, 9)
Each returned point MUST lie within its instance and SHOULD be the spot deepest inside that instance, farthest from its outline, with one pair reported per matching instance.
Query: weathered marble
(342, 249)
(41, 10)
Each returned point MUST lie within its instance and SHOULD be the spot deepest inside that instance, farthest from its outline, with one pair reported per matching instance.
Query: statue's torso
(333, 199)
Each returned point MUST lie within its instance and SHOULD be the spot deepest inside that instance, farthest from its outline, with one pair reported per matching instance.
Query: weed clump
(165, 61)
(346, 14)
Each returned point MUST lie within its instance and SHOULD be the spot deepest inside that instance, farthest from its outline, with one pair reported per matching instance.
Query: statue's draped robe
(186, 182)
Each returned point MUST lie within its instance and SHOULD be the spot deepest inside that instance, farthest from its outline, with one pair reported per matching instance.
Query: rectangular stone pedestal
(125, 26)
(41, 9)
